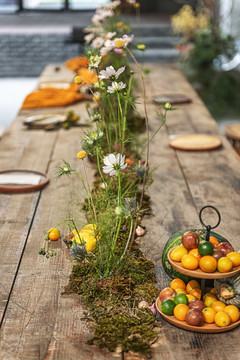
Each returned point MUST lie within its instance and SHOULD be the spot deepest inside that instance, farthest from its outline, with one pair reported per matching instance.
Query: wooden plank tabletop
(38, 322)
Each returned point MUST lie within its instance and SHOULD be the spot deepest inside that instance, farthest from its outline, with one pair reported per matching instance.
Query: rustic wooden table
(38, 321)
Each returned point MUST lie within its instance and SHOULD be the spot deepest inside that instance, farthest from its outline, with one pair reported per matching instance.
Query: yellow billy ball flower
(82, 154)
(78, 80)
(120, 24)
(119, 44)
(137, 5)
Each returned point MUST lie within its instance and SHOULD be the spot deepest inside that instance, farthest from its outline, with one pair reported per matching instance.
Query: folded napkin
(51, 97)
(89, 77)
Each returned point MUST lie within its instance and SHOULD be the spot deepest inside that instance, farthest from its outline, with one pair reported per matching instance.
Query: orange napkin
(77, 63)
(48, 97)
(89, 77)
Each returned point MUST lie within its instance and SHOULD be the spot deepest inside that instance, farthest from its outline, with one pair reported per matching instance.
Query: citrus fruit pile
(185, 304)
(209, 256)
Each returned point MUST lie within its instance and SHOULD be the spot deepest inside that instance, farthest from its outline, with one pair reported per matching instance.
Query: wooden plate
(206, 328)
(43, 120)
(21, 180)
(195, 142)
(198, 273)
(174, 99)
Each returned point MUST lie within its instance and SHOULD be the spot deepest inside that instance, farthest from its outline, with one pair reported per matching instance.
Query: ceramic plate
(20, 180)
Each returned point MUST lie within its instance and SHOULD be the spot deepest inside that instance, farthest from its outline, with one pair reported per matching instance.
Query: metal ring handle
(200, 216)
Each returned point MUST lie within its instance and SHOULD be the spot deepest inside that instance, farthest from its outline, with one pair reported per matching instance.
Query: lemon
(177, 253)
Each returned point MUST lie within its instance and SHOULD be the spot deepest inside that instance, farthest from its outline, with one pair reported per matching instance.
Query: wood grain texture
(40, 322)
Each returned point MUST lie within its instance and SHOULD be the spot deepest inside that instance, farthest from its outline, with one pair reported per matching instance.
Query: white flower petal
(113, 172)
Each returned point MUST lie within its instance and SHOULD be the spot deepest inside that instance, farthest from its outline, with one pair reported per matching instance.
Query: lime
(167, 306)
(181, 299)
(205, 248)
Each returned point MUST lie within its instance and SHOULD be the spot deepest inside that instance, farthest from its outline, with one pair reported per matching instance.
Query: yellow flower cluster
(186, 22)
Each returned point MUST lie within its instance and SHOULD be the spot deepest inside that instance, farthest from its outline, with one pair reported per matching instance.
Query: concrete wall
(26, 55)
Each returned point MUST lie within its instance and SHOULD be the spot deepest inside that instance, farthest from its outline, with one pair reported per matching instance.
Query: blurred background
(200, 36)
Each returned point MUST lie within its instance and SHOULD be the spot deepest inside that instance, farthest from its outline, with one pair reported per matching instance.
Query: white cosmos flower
(109, 35)
(89, 37)
(98, 42)
(110, 72)
(113, 163)
(115, 87)
(112, 5)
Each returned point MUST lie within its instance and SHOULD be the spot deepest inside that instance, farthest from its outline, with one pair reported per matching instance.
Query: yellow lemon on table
(177, 253)
(86, 236)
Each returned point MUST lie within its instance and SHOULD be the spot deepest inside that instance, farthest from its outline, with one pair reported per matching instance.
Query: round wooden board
(174, 99)
(42, 120)
(206, 328)
(233, 131)
(195, 142)
(198, 273)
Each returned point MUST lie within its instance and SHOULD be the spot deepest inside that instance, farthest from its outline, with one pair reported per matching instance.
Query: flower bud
(167, 106)
(81, 154)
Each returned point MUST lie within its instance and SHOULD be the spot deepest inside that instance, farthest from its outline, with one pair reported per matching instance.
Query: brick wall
(25, 55)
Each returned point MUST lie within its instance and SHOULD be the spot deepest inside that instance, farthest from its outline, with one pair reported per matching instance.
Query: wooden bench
(38, 321)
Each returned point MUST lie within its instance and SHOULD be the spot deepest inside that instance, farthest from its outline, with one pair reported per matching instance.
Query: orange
(191, 297)
(233, 312)
(177, 253)
(177, 284)
(209, 315)
(208, 264)
(218, 306)
(213, 291)
(222, 319)
(192, 284)
(234, 257)
(195, 253)
(181, 291)
(180, 311)
(224, 264)
(189, 262)
(209, 299)
(214, 241)
(53, 234)
(196, 292)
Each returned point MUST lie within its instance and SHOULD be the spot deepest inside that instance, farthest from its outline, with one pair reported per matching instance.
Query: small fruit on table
(222, 319)
(196, 304)
(209, 299)
(181, 299)
(192, 284)
(209, 315)
(233, 312)
(218, 306)
(205, 248)
(224, 264)
(225, 247)
(53, 234)
(194, 317)
(178, 284)
(217, 254)
(235, 257)
(177, 253)
(189, 262)
(180, 311)
(167, 307)
(166, 293)
(190, 240)
(208, 264)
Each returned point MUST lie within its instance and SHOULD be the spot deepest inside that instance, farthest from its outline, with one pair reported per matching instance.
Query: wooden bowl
(206, 328)
(198, 273)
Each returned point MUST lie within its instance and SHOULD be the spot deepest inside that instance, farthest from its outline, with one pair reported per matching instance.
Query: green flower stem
(119, 187)
(88, 197)
(128, 240)
(90, 194)
(155, 133)
(113, 117)
(120, 120)
(126, 106)
(113, 247)
(100, 172)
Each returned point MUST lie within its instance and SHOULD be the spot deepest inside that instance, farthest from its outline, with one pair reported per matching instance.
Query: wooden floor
(38, 322)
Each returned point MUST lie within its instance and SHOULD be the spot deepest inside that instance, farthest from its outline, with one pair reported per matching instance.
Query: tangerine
(208, 264)
(181, 291)
(177, 284)
(214, 241)
(234, 256)
(191, 297)
(209, 315)
(195, 253)
(222, 319)
(189, 262)
(177, 253)
(209, 299)
(233, 312)
(192, 284)
(180, 311)
(196, 292)
(224, 264)
(218, 306)
(53, 234)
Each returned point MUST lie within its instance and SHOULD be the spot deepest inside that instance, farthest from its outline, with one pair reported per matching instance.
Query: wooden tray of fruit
(204, 259)
(205, 328)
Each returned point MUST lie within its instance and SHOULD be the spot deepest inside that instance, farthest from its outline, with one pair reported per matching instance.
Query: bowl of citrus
(204, 259)
(185, 306)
